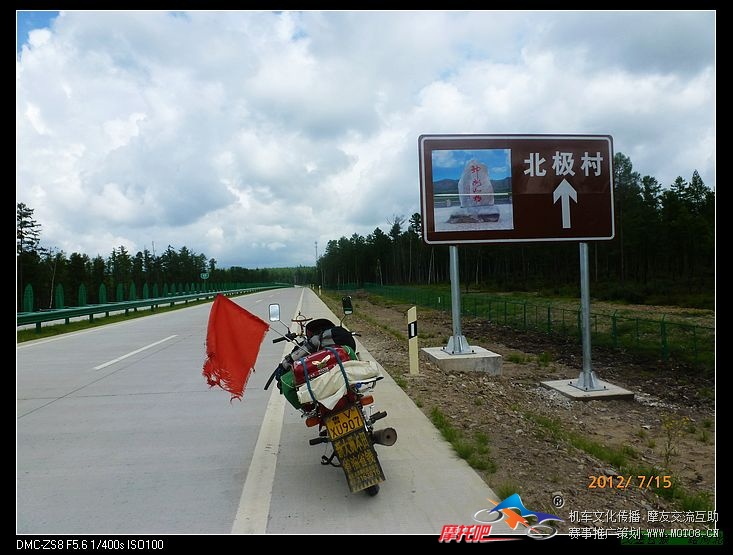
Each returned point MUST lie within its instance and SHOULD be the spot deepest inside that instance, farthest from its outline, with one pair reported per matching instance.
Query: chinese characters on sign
(562, 164)
(507, 188)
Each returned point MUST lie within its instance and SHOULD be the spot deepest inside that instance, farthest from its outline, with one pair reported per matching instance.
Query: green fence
(656, 338)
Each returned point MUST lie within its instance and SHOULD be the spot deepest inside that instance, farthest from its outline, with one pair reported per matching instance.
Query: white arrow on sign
(565, 192)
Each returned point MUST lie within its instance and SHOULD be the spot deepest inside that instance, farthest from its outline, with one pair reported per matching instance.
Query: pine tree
(28, 230)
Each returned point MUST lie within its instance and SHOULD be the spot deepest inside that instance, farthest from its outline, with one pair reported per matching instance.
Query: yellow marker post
(412, 339)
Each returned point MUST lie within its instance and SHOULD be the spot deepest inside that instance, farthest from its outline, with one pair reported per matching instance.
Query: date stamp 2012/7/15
(625, 482)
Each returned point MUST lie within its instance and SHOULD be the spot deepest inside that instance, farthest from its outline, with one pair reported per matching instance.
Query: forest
(663, 253)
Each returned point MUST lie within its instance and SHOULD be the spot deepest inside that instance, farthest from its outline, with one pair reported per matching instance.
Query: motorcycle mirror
(346, 304)
(274, 312)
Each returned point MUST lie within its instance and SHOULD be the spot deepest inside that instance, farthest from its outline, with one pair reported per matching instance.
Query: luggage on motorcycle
(328, 388)
(337, 336)
(289, 389)
(317, 326)
(319, 363)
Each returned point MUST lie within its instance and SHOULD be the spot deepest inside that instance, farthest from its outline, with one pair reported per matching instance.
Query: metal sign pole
(587, 380)
(457, 344)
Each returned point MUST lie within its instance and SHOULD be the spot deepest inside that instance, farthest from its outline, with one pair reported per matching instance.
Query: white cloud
(248, 136)
(120, 131)
(39, 37)
(33, 114)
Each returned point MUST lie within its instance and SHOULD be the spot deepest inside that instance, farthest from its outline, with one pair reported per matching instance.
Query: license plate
(344, 422)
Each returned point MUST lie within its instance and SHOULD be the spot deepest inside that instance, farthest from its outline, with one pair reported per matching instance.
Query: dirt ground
(543, 443)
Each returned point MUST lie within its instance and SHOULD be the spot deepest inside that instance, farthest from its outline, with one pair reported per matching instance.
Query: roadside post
(412, 339)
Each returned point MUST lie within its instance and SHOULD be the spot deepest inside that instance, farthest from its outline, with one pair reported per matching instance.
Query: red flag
(233, 341)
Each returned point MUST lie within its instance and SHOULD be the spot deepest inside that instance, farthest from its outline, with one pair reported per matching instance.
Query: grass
(474, 450)
(621, 458)
(544, 359)
(517, 358)
(616, 456)
(685, 500)
(327, 296)
(673, 427)
(706, 392)
(391, 331)
(695, 502)
(705, 436)
(506, 489)
(689, 335)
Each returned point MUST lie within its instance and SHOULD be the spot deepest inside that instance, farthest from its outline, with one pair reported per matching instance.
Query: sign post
(457, 344)
(587, 380)
(517, 188)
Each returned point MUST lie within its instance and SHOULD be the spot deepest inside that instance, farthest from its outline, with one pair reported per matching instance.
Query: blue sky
(450, 165)
(27, 21)
(247, 136)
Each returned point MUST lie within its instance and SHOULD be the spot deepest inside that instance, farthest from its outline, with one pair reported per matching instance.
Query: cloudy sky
(250, 136)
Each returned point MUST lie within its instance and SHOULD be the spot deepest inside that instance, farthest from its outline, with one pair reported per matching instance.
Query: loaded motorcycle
(324, 378)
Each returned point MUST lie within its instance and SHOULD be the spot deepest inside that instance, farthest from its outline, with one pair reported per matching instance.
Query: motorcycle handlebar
(290, 336)
(286, 337)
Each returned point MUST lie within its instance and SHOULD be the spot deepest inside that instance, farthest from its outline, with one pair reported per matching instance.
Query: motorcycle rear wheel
(372, 490)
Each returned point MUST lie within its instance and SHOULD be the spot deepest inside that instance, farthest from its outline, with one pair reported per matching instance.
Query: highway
(117, 432)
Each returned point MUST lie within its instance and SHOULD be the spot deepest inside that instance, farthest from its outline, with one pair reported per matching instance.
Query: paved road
(118, 433)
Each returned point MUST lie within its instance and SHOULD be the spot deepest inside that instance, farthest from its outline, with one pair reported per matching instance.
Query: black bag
(337, 335)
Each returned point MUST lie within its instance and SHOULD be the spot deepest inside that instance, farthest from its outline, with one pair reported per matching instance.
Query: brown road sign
(510, 188)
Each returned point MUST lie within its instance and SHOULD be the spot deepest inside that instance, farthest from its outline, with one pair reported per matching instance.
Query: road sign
(513, 188)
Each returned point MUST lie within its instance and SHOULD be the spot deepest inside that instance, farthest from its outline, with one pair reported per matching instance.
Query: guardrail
(38, 318)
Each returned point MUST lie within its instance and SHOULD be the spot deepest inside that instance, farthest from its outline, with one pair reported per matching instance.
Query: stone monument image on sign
(471, 200)
(476, 194)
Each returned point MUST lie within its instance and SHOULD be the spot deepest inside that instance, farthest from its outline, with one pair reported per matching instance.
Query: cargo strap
(308, 380)
(341, 364)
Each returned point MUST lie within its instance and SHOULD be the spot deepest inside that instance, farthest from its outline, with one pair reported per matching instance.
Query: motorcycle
(324, 378)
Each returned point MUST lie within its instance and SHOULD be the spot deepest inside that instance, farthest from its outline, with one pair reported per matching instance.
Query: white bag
(329, 387)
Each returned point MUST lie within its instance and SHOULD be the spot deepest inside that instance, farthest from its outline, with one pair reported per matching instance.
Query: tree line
(663, 251)
(44, 268)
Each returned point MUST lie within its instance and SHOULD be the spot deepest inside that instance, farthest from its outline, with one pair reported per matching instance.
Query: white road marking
(254, 503)
(111, 362)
